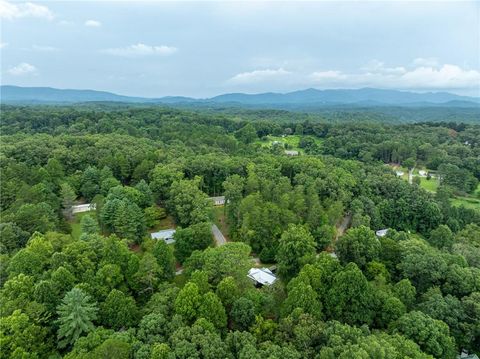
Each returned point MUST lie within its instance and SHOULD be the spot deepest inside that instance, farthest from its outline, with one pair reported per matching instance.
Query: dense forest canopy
(96, 285)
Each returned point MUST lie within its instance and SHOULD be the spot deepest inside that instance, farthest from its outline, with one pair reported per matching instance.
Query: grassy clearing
(75, 223)
(398, 168)
(468, 202)
(430, 185)
(220, 220)
(164, 223)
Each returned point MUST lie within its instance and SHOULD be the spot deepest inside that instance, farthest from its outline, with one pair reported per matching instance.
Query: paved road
(218, 235)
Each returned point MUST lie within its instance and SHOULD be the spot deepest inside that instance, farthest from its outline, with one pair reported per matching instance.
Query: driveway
(219, 238)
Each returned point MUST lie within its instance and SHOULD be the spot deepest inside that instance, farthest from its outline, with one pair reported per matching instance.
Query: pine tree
(76, 313)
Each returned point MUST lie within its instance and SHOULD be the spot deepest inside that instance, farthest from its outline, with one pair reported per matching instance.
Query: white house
(422, 173)
(261, 276)
(291, 153)
(218, 201)
(79, 208)
(166, 235)
(381, 232)
(399, 173)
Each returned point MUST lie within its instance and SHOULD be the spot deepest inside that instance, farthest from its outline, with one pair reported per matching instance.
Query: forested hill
(98, 285)
(304, 99)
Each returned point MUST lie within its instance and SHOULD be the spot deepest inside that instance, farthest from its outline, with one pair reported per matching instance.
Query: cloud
(375, 66)
(327, 75)
(259, 76)
(431, 77)
(22, 69)
(44, 48)
(429, 61)
(140, 49)
(3, 45)
(92, 23)
(12, 11)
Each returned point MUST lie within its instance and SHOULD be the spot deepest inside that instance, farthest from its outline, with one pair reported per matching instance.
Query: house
(399, 173)
(381, 232)
(79, 208)
(217, 201)
(466, 355)
(291, 153)
(261, 276)
(422, 173)
(166, 235)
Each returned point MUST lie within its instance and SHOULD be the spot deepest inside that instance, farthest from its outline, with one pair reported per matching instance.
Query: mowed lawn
(430, 185)
(468, 202)
(75, 223)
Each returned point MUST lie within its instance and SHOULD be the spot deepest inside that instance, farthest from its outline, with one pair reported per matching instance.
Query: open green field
(75, 223)
(292, 141)
(469, 202)
(430, 185)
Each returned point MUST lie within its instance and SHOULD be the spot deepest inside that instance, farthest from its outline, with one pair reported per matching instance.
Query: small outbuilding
(422, 173)
(399, 173)
(217, 201)
(291, 153)
(382, 232)
(466, 355)
(261, 276)
(165, 235)
(79, 208)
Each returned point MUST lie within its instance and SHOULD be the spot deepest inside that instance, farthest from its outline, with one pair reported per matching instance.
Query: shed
(217, 201)
(399, 173)
(166, 235)
(382, 232)
(261, 276)
(422, 173)
(291, 153)
(466, 355)
(79, 208)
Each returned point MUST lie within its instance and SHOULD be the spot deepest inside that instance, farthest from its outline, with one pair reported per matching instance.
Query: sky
(202, 49)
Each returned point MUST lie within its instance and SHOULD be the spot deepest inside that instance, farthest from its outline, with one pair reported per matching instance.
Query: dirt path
(410, 175)
(343, 226)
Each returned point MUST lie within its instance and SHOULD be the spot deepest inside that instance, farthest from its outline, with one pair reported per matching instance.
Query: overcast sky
(202, 49)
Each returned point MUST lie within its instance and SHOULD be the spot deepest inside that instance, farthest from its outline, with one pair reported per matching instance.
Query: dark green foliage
(196, 237)
(242, 313)
(119, 311)
(358, 245)
(432, 335)
(76, 313)
(411, 294)
(296, 248)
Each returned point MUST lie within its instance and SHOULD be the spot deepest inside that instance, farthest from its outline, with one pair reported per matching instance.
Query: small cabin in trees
(261, 276)
(218, 201)
(291, 153)
(79, 208)
(382, 232)
(165, 235)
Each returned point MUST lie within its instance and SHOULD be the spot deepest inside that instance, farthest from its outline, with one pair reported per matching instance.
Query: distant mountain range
(309, 98)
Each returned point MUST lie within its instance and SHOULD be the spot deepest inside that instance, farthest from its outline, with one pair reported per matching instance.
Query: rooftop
(166, 235)
(382, 232)
(263, 276)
